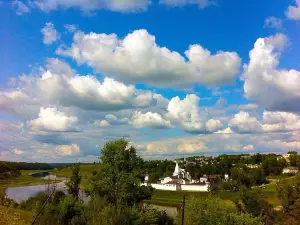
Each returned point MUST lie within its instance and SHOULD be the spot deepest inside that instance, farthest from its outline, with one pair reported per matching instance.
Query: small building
(290, 170)
(252, 166)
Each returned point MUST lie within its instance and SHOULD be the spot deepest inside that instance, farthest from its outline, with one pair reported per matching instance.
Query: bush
(34, 202)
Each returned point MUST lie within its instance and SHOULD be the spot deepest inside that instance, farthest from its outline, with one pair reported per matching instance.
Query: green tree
(289, 195)
(73, 184)
(120, 175)
(273, 166)
(255, 204)
(293, 158)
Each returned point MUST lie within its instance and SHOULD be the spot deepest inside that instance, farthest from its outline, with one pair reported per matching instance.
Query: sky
(176, 78)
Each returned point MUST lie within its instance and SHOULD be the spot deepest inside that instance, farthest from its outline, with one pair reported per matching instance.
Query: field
(86, 171)
(173, 198)
(23, 180)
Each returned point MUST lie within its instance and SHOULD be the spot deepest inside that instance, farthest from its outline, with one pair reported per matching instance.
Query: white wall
(194, 187)
(166, 180)
(164, 187)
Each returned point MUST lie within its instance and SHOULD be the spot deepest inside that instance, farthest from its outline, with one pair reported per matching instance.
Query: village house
(290, 170)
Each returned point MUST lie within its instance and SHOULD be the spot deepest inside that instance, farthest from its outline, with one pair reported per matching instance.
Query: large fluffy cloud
(58, 84)
(293, 11)
(73, 149)
(244, 123)
(50, 119)
(280, 121)
(187, 113)
(138, 58)
(271, 87)
(277, 121)
(149, 119)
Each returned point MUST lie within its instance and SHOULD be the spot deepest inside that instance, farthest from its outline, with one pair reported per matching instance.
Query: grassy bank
(9, 216)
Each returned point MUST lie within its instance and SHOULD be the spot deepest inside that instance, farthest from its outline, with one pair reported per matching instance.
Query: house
(290, 170)
(252, 166)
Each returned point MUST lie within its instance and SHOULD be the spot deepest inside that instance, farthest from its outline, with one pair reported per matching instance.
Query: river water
(19, 194)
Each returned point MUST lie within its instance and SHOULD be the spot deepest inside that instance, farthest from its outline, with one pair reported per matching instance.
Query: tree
(255, 204)
(273, 166)
(293, 158)
(120, 175)
(73, 184)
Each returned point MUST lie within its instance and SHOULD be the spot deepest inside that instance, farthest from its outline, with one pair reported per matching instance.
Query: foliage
(254, 204)
(289, 194)
(69, 210)
(120, 174)
(211, 211)
(273, 166)
(34, 202)
(7, 171)
(73, 184)
(34, 166)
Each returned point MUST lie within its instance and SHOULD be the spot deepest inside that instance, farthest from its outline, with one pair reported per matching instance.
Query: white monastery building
(180, 181)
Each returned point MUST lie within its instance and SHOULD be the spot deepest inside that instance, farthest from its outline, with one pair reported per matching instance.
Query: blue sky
(172, 76)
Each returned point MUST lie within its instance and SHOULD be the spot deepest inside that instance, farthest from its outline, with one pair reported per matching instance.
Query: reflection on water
(23, 193)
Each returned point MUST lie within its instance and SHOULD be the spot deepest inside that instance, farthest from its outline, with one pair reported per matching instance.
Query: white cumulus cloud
(149, 119)
(242, 122)
(68, 150)
(273, 88)
(138, 58)
(187, 113)
(52, 120)
(102, 123)
(50, 34)
(293, 11)
(111, 117)
(20, 8)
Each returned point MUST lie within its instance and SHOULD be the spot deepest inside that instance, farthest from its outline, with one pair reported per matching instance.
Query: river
(22, 193)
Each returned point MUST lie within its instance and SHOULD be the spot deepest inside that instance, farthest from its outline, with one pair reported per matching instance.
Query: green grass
(173, 198)
(85, 170)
